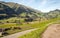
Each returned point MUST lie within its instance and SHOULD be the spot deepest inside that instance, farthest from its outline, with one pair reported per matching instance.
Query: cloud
(44, 2)
(26, 1)
(31, 1)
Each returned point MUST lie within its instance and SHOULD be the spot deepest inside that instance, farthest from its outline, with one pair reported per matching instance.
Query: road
(16, 35)
(53, 31)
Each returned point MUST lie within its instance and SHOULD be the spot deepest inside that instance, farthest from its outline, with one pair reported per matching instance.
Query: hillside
(52, 14)
(17, 17)
(14, 9)
(10, 9)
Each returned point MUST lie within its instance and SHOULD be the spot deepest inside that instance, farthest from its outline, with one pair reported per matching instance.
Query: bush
(5, 33)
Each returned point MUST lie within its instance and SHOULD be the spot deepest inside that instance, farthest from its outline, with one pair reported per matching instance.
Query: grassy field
(42, 26)
(8, 25)
(25, 26)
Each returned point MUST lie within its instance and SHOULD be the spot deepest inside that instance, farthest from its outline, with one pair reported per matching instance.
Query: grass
(12, 19)
(8, 25)
(42, 26)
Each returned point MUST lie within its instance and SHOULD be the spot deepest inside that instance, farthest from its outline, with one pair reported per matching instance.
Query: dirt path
(53, 31)
(16, 35)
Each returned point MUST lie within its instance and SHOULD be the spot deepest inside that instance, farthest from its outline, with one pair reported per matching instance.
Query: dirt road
(16, 35)
(53, 31)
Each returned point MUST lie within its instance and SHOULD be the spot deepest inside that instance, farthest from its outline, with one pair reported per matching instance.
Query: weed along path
(16, 35)
(53, 31)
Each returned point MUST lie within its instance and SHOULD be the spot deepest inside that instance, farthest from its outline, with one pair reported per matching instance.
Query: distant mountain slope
(53, 14)
(14, 9)
(10, 9)
(5, 9)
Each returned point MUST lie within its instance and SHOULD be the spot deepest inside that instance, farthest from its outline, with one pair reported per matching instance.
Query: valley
(17, 18)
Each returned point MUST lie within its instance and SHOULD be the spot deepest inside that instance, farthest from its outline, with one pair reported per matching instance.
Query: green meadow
(42, 26)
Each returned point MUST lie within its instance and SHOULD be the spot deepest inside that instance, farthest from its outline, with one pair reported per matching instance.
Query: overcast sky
(43, 5)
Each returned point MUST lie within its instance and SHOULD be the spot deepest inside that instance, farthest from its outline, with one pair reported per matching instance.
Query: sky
(42, 5)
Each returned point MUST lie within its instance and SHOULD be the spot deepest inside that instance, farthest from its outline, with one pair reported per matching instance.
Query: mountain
(10, 9)
(52, 14)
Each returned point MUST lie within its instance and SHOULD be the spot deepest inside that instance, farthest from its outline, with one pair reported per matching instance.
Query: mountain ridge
(17, 10)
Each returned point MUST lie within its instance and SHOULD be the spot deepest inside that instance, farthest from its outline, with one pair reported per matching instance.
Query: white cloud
(44, 2)
(29, 1)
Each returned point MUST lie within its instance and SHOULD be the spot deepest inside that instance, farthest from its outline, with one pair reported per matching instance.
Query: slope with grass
(42, 26)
